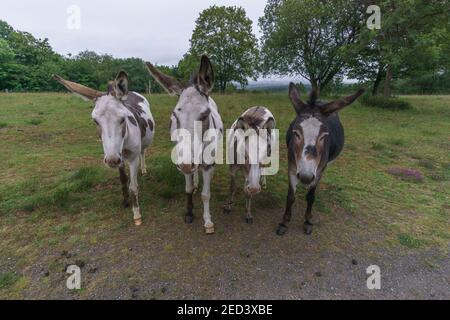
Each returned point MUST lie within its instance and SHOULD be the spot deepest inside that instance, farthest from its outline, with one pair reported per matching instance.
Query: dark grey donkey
(314, 139)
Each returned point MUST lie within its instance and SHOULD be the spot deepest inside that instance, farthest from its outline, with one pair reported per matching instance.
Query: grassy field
(60, 205)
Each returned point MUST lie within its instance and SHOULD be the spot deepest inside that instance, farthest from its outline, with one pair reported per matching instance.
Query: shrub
(385, 103)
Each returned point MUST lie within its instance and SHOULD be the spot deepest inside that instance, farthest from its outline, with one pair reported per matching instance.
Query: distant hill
(270, 85)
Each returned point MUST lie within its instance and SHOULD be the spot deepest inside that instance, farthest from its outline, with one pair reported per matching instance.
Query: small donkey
(314, 139)
(249, 123)
(126, 126)
(195, 113)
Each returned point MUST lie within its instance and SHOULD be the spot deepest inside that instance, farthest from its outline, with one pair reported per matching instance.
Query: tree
(408, 43)
(225, 34)
(313, 39)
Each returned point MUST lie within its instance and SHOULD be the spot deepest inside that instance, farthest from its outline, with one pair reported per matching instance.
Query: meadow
(385, 201)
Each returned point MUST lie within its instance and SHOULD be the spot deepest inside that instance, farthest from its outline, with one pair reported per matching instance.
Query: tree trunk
(377, 82)
(315, 87)
(387, 82)
(223, 87)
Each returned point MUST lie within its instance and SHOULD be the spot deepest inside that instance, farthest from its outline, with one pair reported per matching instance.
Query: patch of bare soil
(166, 259)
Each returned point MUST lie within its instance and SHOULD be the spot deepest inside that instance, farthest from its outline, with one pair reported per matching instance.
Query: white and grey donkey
(245, 135)
(126, 127)
(195, 113)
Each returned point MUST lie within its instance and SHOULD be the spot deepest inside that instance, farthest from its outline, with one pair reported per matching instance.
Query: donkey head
(310, 133)
(192, 111)
(109, 114)
(257, 143)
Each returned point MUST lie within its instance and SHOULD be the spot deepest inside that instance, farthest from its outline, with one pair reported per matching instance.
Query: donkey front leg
(248, 209)
(283, 226)
(143, 165)
(134, 192)
(229, 206)
(206, 197)
(190, 189)
(310, 198)
(125, 191)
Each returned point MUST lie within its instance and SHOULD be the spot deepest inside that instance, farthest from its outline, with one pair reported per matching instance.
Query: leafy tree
(186, 65)
(408, 42)
(314, 39)
(225, 34)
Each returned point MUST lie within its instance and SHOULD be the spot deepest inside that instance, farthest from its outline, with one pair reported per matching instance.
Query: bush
(385, 103)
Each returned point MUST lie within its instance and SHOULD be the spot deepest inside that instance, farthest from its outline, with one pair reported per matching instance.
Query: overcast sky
(154, 30)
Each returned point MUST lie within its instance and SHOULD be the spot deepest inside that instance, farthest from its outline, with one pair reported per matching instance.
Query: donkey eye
(298, 134)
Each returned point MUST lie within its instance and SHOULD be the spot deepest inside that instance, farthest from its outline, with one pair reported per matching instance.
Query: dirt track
(166, 259)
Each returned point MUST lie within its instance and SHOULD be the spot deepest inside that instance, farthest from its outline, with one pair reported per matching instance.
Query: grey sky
(155, 30)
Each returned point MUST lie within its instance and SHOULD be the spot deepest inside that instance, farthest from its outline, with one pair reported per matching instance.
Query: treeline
(324, 42)
(27, 64)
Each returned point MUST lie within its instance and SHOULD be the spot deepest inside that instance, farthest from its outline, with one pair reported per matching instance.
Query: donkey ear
(294, 95)
(121, 84)
(84, 92)
(240, 124)
(340, 104)
(171, 85)
(205, 78)
(270, 124)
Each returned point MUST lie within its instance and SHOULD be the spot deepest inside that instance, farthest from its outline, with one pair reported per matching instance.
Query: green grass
(409, 241)
(8, 279)
(55, 191)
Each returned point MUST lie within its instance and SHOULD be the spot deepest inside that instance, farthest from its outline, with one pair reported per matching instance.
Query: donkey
(245, 128)
(126, 127)
(314, 139)
(195, 113)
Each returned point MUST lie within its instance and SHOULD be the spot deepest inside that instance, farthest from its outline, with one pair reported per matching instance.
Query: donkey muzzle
(187, 168)
(252, 190)
(113, 161)
(306, 179)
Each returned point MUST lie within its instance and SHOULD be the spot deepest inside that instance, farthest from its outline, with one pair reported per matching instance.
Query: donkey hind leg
(143, 165)
(248, 209)
(189, 217)
(134, 191)
(195, 182)
(264, 182)
(229, 206)
(310, 198)
(283, 226)
(125, 191)
(206, 197)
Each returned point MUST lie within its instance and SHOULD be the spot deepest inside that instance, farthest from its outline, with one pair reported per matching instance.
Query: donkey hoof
(138, 222)
(249, 220)
(308, 228)
(189, 219)
(125, 204)
(209, 230)
(282, 229)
